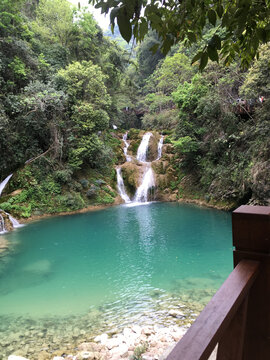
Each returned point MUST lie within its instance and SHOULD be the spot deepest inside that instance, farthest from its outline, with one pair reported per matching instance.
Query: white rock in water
(137, 329)
(15, 357)
(87, 355)
(113, 342)
(176, 313)
(103, 338)
(127, 332)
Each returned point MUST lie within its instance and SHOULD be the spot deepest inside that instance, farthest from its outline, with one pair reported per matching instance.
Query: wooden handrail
(202, 337)
(237, 317)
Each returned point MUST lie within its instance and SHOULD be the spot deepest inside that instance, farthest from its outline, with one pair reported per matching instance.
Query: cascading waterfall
(4, 183)
(143, 193)
(148, 182)
(2, 225)
(121, 186)
(15, 223)
(160, 144)
(142, 149)
(128, 158)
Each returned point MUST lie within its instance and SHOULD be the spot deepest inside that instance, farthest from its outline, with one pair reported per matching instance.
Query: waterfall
(128, 158)
(148, 182)
(14, 222)
(148, 178)
(121, 186)
(4, 183)
(2, 225)
(160, 144)
(142, 150)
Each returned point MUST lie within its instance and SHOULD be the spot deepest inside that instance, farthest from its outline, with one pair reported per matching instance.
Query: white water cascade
(143, 192)
(15, 223)
(2, 225)
(128, 158)
(4, 183)
(142, 149)
(121, 187)
(148, 182)
(160, 144)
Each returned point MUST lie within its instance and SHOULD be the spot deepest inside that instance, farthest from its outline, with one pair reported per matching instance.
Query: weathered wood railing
(238, 316)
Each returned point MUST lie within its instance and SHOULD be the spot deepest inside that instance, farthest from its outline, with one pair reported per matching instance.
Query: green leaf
(225, 20)
(143, 28)
(191, 36)
(204, 61)
(113, 14)
(197, 57)
(215, 42)
(124, 27)
(212, 53)
(220, 10)
(212, 17)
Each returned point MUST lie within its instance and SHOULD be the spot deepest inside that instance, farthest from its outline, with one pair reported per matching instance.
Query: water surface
(123, 262)
(66, 264)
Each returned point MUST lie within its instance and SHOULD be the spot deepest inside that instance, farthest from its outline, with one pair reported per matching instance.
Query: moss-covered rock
(132, 175)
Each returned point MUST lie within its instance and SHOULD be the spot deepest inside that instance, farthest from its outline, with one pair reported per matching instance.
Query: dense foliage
(64, 85)
(58, 101)
(244, 24)
(221, 141)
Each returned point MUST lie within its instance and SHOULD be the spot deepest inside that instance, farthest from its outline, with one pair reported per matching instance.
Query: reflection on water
(110, 268)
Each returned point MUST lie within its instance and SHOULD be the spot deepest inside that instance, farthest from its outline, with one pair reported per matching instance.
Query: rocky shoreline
(76, 339)
(135, 342)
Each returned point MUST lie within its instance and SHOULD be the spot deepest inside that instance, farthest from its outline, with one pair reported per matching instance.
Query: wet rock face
(132, 175)
(153, 148)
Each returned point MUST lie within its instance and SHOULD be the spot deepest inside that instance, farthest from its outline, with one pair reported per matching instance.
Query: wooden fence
(237, 318)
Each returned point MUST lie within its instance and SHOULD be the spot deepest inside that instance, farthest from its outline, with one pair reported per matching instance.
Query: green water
(119, 259)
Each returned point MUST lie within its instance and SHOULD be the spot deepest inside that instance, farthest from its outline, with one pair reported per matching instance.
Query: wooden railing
(237, 319)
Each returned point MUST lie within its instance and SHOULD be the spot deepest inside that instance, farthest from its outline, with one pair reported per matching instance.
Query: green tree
(89, 102)
(54, 21)
(246, 24)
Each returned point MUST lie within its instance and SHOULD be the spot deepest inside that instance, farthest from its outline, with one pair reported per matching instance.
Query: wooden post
(251, 238)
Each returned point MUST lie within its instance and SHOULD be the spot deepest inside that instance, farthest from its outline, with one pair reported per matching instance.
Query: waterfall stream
(15, 223)
(128, 158)
(4, 183)
(121, 186)
(2, 225)
(160, 144)
(143, 192)
(148, 182)
(142, 149)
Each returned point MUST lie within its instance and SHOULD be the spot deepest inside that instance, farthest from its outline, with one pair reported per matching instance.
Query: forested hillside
(61, 90)
(64, 85)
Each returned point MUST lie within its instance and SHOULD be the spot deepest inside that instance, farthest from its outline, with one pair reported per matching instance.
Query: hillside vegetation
(64, 85)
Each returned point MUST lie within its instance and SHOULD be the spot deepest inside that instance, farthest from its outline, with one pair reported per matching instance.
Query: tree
(54, 21)
(246, 24)
(88, 103)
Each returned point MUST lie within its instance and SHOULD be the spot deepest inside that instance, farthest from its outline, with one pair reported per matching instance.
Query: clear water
(66, 264)
(122, 256)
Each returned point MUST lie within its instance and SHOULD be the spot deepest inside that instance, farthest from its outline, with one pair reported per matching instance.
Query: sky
(102, 20)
